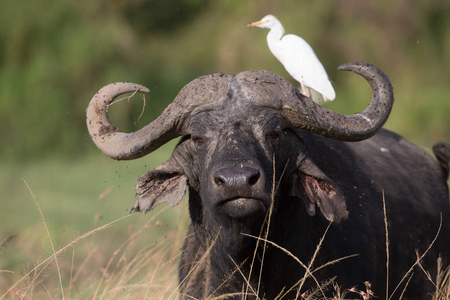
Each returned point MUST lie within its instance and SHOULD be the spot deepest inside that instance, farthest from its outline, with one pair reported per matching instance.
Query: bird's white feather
(298, 58)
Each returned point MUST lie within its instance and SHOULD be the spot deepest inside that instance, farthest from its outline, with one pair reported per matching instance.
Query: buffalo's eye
(273, 137)
(199, 141)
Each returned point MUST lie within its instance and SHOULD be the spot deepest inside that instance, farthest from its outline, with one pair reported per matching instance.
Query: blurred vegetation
(56, 54)
(76, 200)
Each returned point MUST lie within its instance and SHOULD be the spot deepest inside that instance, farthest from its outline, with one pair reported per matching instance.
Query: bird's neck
(276, 33)
(274, 39)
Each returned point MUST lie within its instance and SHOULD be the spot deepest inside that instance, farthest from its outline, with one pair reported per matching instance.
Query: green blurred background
(55, 55)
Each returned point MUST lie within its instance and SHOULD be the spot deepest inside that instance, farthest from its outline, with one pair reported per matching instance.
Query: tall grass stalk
(418, 260)
(269, 218)
(197, 267)
(49, 238)
(387, 245)
(71, 273)
(60, 251)
(442, 282)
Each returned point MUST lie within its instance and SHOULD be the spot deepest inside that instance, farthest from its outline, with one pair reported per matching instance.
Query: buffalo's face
(237, 161)
(237, 154)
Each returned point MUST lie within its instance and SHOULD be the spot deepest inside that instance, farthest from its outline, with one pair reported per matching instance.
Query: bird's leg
(305, 90)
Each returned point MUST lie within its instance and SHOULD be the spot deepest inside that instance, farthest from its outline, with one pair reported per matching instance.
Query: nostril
(221, 177)
(253, 179)
(236, 177)
(219, 181)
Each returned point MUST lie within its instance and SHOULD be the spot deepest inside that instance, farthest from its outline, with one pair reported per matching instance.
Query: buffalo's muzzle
(240, 190)
(238, 179)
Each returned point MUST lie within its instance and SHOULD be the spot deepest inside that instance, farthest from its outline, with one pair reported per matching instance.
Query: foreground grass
(66, 234)
(80, 210)
(89, 268)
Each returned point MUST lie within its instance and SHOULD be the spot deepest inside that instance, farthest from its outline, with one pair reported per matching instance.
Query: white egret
(299, 60)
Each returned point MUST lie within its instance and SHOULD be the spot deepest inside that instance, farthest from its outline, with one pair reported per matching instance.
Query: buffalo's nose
(236, 177)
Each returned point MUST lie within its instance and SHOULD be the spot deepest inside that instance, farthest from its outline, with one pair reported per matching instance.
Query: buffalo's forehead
(247, 88)
(251, 98)
(261, 88)
(233, 117)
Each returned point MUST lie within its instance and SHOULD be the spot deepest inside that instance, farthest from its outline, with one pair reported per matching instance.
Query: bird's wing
(302, 64)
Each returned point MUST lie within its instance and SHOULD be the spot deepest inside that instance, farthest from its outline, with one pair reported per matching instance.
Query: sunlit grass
(81, 207)
(90, 267)
(98, 251)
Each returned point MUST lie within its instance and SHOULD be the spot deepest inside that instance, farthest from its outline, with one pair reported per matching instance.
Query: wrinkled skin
(228, 163)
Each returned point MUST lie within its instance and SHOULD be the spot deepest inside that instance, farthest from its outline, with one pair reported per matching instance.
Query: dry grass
(442, 282)
(87, 268)
(149, 273)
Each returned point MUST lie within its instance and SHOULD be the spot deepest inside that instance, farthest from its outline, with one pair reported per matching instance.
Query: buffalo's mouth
(242, 207)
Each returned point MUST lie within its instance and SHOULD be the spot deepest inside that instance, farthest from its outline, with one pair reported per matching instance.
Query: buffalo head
(240, 150)
(238, 130)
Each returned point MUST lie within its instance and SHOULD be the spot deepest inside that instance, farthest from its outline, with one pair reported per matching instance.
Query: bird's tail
(318, 97)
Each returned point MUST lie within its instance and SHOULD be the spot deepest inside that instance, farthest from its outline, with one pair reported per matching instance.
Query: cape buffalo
(269, 172)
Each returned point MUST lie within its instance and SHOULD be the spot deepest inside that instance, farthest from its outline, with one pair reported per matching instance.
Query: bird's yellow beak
(257, 23)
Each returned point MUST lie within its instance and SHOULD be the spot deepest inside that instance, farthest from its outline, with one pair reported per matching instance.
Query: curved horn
(309, 115)
(169, 125)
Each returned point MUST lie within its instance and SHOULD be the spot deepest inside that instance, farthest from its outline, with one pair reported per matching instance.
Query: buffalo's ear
(311, 185)
(166, 183)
